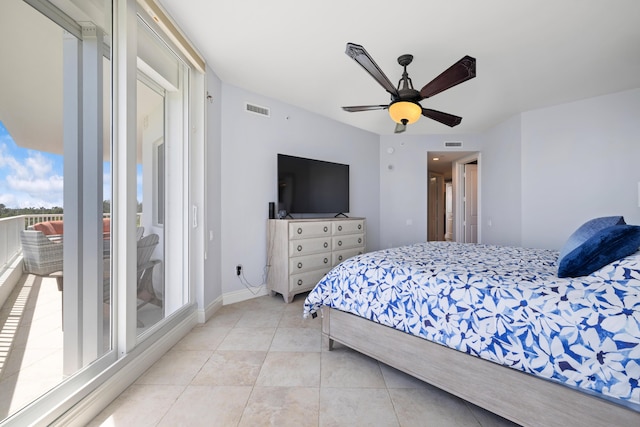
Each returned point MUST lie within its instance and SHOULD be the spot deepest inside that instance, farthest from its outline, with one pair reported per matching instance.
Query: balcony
(30, 323)
(31, 333)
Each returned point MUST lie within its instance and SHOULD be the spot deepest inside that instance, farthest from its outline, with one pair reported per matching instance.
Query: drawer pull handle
(299, 230)
(339, 228)
(339, 242)
(359, 240)
(325, 229)
(340, 258)
(359, 226)
(299, 282)
(299, 265)
(299, 248)
(326, 245)
(326, 260)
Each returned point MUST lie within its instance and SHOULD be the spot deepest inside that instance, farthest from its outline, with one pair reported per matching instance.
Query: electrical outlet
(238, 270)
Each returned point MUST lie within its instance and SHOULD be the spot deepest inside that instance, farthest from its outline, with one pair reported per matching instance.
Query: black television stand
(340, 214)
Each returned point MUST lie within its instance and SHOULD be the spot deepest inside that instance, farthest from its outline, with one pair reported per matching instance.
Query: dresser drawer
(348, 227)
(348, 241)
(339, 256)
(306, 281)
(303, 264)
(309, 246)
(304, 230)
(301, 251)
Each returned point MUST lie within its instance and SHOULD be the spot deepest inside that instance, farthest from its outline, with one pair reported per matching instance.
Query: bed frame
(517, 396)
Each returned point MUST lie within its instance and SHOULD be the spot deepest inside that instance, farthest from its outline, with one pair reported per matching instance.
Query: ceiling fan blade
(365, 108)
(459, 72)
(444, 118)
(400, 128)
(361, 56)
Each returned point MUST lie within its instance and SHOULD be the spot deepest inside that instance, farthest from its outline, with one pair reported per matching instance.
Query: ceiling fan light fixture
(405, 112)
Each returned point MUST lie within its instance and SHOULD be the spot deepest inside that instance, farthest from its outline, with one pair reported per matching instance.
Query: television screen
(312, 186)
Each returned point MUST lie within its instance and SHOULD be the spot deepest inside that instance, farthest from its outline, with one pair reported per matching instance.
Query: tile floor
(259, 363)
(31, 341)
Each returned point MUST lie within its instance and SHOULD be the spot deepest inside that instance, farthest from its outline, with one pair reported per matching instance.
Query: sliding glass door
(124, 226)
(162, 154)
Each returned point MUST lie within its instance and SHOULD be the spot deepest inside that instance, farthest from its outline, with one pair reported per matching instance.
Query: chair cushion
(58, 226)
(49, 228)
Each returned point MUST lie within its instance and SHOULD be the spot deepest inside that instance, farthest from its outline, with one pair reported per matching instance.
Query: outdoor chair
(145, 291)
(40, 255)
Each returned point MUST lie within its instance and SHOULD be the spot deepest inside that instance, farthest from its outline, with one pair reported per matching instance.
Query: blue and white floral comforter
(502, 304)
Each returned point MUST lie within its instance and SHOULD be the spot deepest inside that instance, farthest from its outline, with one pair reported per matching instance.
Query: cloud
(39, 165)
(36, 186)
(29, 182)
(24, 200)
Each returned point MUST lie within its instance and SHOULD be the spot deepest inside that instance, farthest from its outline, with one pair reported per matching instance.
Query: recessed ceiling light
(435, 159)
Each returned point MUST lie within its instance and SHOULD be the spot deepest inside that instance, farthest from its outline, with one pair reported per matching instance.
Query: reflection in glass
(150, 231)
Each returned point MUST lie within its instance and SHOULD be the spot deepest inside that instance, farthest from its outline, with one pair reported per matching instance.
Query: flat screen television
(307, 186)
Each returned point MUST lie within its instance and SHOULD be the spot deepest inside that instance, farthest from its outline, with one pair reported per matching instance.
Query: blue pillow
(586, 230)
(604, 247)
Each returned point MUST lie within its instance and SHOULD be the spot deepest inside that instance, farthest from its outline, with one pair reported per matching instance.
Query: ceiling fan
(405, 105)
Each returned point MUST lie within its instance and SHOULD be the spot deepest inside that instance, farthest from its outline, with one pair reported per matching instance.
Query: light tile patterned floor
(258, 363)
(31, 341)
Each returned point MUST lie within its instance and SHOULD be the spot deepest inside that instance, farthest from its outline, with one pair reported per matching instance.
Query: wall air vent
(256, 109)
(450, 144)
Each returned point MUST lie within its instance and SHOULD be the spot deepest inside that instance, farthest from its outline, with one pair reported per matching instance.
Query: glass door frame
(105, 376)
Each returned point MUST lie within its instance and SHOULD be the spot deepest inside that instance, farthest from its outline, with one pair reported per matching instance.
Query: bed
(496, 326)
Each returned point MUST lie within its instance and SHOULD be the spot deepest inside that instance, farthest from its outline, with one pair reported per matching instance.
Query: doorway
(453, 196)
(436, 208)
(470, 201)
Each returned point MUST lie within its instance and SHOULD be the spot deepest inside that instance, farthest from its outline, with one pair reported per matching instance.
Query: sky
(30, 178)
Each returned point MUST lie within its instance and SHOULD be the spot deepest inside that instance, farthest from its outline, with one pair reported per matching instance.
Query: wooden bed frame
(517, 396)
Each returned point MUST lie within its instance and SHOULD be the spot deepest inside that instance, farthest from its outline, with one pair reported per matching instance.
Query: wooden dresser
(301, 251)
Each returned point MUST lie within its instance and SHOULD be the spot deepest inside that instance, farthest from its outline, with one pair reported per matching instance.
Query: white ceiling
(530, 53)
(31, 87)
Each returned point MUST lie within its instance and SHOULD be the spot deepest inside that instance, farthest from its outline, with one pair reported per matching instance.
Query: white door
(471, 203)
(435, 214)
(448, 233)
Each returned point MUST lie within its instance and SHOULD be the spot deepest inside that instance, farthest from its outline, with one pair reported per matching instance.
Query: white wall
(250, 144)
(213, 193)
(579, 160)
(544, 172)
(501, 184)
(403, 187)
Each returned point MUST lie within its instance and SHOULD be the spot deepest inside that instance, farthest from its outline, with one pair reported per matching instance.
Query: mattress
(503, 304)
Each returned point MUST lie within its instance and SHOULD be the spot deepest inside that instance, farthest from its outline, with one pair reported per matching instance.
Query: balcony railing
(10, 227)
(10, 239)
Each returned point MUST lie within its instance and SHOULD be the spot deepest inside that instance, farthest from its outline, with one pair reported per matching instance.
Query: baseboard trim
(242, 295)
(210, 310)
